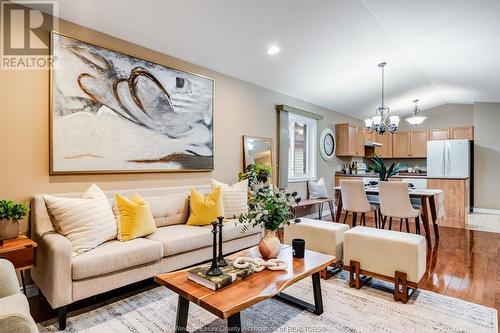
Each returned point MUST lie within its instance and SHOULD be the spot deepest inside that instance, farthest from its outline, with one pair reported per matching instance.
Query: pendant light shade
(416, 118)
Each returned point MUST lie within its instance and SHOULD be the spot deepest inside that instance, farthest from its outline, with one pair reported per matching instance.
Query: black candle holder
(221, 262)
(214, 270)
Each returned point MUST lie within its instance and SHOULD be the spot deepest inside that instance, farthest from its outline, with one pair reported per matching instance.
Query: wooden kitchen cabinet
(418, 144)
(456, 200)
(350, 140)
(462, 133)
(440, 134)
(386, 140)
(360, 141)
(401, 144)
(410, 144)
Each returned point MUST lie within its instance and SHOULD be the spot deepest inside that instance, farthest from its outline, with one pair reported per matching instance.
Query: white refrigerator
(452, 158)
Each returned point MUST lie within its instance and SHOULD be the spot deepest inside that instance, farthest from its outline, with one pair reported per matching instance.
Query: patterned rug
(370, 309)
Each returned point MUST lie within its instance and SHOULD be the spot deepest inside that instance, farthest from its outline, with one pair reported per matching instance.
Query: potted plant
(384, 173)
(269, 209)
(10, 215)
(257, 174)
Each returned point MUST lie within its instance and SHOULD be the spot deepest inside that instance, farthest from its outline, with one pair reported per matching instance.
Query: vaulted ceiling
(445, 51)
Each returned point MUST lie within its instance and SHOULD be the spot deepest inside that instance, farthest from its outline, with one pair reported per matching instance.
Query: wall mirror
(257, 150)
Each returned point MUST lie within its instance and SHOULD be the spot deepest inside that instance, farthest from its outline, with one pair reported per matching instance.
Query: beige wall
(241, 108)
(447, 115)
(487, 155)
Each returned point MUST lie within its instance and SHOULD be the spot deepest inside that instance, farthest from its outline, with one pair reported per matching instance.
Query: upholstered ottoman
(387, 255)
(320, 236)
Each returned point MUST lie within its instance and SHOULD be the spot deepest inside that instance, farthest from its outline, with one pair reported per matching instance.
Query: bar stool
(355, 201)
(395, 203)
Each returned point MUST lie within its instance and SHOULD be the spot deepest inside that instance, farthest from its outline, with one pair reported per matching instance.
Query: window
(301, 148)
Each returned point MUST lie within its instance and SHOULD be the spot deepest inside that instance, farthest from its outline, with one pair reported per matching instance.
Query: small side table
(21, 252)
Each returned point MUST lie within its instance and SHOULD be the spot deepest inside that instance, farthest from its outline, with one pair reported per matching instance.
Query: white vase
(270, 245)
(9, 229)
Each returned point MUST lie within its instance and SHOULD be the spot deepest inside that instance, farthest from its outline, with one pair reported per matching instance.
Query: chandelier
(416, 118)
(382, 121)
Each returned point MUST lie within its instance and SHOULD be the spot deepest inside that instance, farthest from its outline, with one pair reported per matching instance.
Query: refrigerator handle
(448, 159)
(443, 154)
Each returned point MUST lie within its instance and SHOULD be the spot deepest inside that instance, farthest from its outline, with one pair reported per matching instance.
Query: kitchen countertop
(406, 175)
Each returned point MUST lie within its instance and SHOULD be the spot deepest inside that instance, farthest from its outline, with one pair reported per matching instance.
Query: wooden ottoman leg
(354, 277)
(332, 270)
(400, 287)
(324, 273)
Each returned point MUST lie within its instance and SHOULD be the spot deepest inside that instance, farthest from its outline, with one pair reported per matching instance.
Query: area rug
(370, 309)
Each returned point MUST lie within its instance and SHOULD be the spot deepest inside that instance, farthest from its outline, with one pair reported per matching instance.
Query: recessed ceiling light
(272, 50)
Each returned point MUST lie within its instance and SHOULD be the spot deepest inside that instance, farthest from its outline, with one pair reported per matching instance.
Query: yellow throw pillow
(136, 219)
(204, 210)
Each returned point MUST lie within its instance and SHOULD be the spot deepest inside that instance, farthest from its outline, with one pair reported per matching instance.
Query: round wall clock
(327, 144)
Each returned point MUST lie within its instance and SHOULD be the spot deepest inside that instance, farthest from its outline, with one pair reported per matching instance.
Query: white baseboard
(487, 211)
(31, 290)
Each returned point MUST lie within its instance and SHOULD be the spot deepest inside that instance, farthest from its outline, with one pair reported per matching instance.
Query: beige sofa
(64, 278)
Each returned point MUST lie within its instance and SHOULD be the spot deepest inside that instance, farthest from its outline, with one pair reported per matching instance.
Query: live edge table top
(254, 289)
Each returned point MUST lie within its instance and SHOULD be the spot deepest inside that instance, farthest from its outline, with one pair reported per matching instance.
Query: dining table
(429, 202)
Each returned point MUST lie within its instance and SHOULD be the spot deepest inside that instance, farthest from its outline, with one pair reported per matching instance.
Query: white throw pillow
(86, 222)
(234, 198)
(317, 190)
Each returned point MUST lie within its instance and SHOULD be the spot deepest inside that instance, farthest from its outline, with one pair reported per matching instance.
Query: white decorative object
(87, 222)
(327, 144)
(259, 264)
(234, 198)
(317, 190)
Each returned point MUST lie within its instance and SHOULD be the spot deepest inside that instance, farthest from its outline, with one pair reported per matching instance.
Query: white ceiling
(445, 51)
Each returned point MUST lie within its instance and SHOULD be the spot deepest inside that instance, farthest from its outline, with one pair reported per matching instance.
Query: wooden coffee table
(227, 303)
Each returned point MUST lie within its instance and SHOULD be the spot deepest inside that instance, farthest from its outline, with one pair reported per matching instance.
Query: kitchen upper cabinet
(409, 144)
(386, 140)
(459, 133)
(440, 134)
(418, 143)
(350, 140)
(360, 141)
(401, 144)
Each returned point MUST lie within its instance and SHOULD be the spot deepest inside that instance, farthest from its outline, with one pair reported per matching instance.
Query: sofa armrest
(52, 273)
(9, 285)
(15, 315)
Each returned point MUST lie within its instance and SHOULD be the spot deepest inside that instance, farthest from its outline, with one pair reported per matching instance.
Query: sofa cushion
(181, 238)
(114, 256)
(169, 209)
(135, 219)
(87, 221)
(234, 197)
(232, 230)
(204, 209)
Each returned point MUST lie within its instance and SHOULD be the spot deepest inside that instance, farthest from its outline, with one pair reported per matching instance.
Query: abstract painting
(112, 112)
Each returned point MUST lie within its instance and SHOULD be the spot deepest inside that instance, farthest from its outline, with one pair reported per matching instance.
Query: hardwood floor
(464, 264)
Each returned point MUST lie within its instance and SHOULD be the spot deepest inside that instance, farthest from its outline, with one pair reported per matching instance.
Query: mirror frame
(245, 150)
